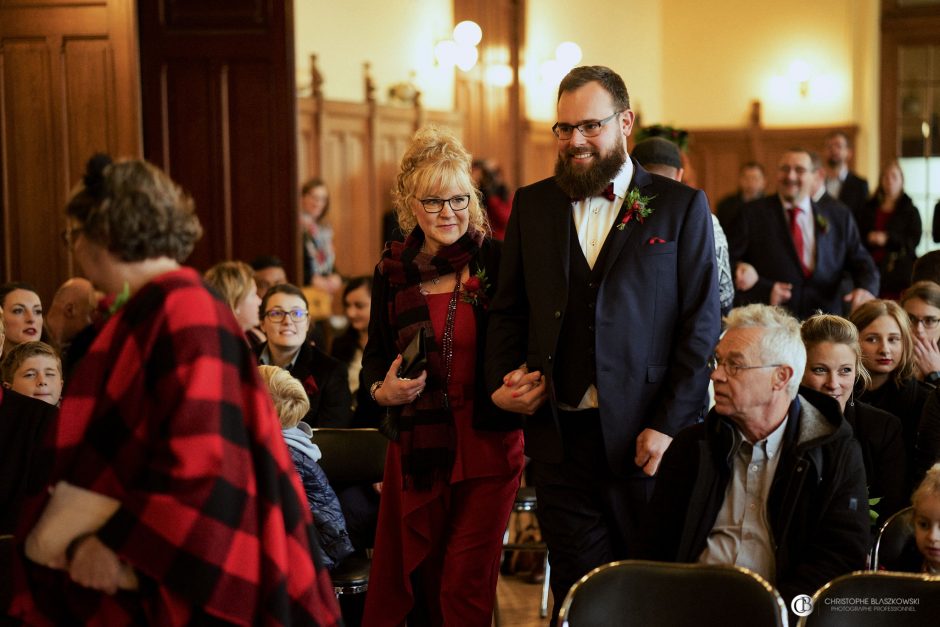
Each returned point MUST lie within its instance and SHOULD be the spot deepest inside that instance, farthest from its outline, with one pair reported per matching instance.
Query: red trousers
(448, 540)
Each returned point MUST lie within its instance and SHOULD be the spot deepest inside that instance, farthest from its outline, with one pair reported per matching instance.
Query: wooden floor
(518, 602)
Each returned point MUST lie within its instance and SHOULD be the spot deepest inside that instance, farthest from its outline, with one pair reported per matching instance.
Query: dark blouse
(879, 435)
(907, 403)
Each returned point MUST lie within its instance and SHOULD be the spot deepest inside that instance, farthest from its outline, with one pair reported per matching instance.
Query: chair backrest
(895, 533)
(351, 456)
(865, 598)
(654, 594)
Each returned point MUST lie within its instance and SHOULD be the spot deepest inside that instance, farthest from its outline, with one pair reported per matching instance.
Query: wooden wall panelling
(716, 155)
(68, 88)
(220, 116)
(347, 170)
(394, 127)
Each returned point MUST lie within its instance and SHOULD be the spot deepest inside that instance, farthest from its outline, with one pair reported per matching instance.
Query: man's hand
(522, 392)
(781, 293)
(650, 446)
(745, 276)
(857, 297)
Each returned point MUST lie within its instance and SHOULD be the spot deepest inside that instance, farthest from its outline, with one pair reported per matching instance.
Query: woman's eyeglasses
(436, 205)
(295, 315)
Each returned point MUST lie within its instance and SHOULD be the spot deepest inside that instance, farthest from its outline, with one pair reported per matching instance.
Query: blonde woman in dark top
(833, 367)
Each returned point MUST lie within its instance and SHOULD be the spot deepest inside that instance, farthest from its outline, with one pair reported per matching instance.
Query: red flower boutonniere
(474, 289)
(822, 223)
(638, 208)
(310, 385)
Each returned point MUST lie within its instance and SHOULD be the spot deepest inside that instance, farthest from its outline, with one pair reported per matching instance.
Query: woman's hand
(522, 392)
(926, 355)
(396, 391)
(95, 566)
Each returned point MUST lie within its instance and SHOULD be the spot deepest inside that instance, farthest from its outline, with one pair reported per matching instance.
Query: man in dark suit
(841, 182)
(751, 180)
(789, 251)
(608, 298)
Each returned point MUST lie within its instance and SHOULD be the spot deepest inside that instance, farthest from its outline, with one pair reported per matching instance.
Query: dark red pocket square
(656, 240)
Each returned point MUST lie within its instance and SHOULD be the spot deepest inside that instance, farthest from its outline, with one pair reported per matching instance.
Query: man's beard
(578, 182)
(834, 162)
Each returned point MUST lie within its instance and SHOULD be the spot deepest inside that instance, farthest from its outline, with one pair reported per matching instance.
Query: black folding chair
(351, 456)
(659, 594)
(874, 599)
(894, 536)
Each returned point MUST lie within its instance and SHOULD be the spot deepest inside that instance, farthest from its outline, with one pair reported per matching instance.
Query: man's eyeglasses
(436, 205)
(929, 322)
(731, 368)
(295, 315)
(591, 128)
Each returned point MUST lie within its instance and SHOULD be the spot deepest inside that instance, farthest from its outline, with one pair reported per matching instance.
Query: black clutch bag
(414, 358)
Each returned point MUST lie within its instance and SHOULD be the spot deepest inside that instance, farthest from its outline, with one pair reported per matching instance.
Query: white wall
(395, 36)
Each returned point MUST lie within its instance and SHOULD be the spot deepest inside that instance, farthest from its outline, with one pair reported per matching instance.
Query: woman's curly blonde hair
(434, 161)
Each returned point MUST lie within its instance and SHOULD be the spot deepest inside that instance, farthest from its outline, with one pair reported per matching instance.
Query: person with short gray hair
(773, 479)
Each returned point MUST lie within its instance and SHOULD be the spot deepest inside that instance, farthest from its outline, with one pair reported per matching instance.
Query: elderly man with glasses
(772, 480)
(608, 299)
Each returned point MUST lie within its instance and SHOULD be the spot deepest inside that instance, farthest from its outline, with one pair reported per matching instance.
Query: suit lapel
(559, 212)
(820, 218)
(616, 238)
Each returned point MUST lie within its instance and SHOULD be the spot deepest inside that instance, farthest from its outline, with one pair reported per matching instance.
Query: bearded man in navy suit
(602, 324)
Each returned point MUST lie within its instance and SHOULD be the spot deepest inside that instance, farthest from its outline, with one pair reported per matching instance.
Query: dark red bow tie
(608, 193)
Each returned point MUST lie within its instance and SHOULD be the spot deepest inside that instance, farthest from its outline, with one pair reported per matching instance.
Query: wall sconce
(802, 82)
(461, 51)
(567, 55)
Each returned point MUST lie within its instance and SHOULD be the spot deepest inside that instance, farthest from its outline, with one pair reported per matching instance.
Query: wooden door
(68, 89)
(219, 114)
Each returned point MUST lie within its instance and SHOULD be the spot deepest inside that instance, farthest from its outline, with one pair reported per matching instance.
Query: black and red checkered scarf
(167, 414)
(426, 427)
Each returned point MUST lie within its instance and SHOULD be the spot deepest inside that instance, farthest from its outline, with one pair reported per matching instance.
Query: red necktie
(797, 234)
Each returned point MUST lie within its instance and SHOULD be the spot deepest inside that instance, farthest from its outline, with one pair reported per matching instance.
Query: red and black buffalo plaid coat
(166, 413)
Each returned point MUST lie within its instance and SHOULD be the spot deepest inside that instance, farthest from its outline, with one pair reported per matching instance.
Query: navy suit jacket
(657, 315)
(761, 237)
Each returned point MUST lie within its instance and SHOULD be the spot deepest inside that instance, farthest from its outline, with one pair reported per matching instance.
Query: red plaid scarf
(426, 427)
(167, 414)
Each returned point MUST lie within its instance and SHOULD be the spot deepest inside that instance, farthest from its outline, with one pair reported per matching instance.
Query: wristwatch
(933, 377)
(375, 388)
